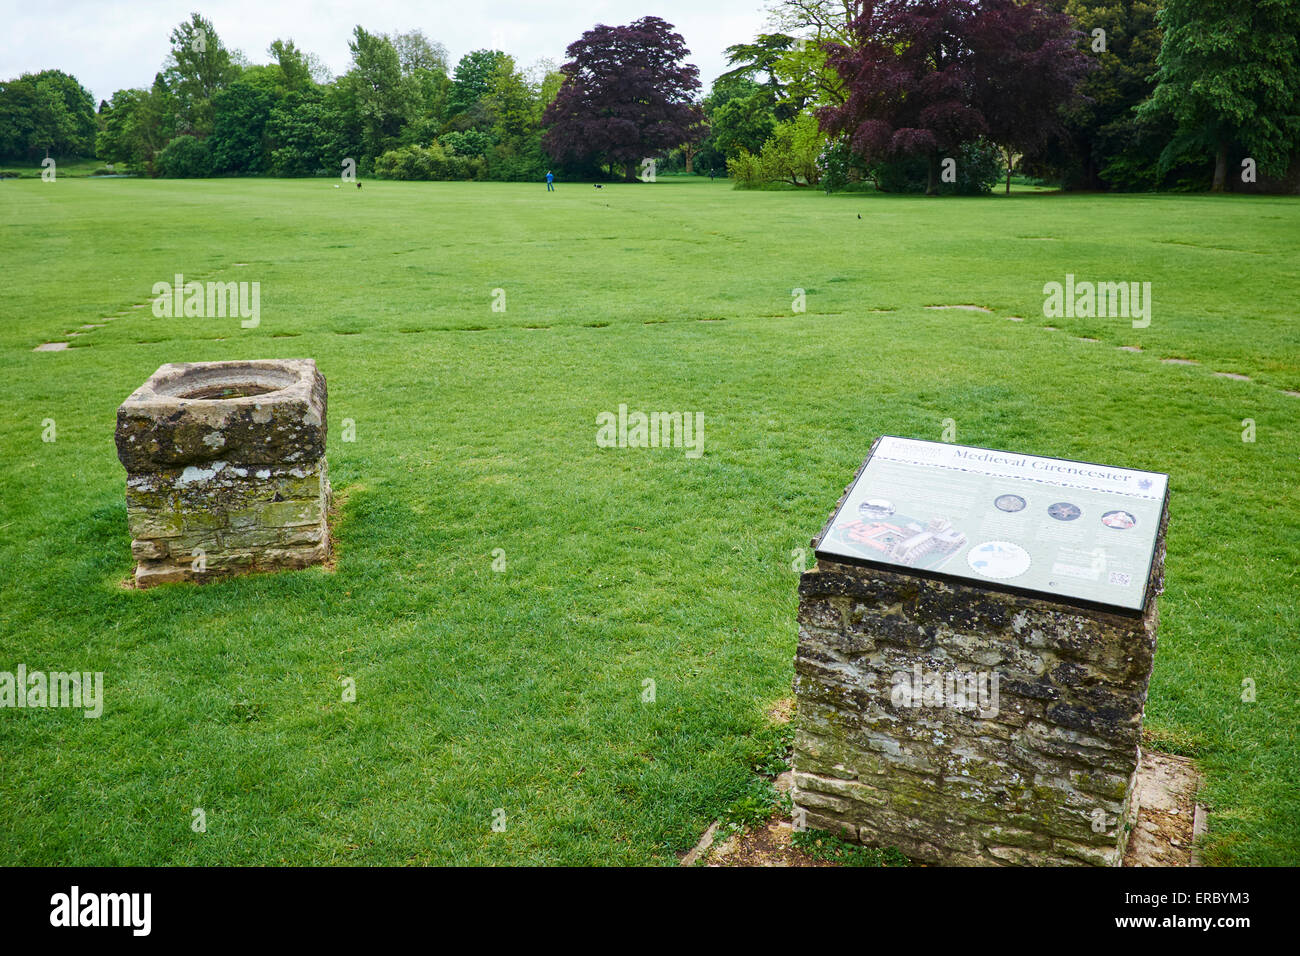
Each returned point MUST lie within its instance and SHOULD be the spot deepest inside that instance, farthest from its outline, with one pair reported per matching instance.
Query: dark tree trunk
(932, 177)
(629, 172)
(1220, 167)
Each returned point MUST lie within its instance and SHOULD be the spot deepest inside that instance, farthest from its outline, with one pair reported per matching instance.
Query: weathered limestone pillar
(226, 469)
(964, 723)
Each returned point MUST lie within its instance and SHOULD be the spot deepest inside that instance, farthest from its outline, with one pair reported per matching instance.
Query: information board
(1068, 529)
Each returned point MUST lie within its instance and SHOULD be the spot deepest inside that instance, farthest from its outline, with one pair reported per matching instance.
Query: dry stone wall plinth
(968, 725)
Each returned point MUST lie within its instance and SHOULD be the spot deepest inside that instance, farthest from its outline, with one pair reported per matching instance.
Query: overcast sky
(110, 45)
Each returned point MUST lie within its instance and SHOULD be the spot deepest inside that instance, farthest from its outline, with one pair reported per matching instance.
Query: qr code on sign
(1121, 578)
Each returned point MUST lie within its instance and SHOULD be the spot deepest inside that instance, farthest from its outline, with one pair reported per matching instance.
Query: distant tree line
(400, 111)
(902, 95)
(1090, 94)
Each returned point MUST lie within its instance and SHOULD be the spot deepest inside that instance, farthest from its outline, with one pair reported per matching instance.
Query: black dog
(599, 186)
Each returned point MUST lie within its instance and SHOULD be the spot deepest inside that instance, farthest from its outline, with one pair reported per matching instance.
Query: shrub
(790, 155)
(747, 170)
(185, 157)
(979, 168)
(426, 163)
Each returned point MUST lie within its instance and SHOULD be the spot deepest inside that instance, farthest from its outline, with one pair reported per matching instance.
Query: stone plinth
(1040, 773)
(226, 469)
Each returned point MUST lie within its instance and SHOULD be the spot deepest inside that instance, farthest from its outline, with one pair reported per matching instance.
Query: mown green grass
(475, 430)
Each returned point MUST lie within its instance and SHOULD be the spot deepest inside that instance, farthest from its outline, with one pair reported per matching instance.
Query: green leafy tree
(1105, 143)
(473, 78)
(295, 66)
(198, 66)
(137, 125)
(793, 56)
(46, 113)
(416, 52)
(301, 132)
(790, 155)
(1230, 74)
(423, 64)
(238, 143)
(472, 143)
(375, 101)
(513, 108)
(744, 121)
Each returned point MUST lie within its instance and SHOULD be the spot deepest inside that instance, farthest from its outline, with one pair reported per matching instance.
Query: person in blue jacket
(550, 181)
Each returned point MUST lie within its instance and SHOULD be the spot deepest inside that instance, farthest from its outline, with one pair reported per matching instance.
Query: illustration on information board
(1064, 511)
(902, 540)
(999, 559)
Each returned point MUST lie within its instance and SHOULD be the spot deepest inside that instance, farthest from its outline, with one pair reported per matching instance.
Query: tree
(1105, 143)
(926, 77)
(300, 133)
(295, 66)
(744, 120)
(372, 96)
(795, 55)
(240, 115)
(1027, 69)
(513, 109)
(473, 78)
(197, 67)
(46, 113)
(768, 57)
(415, 51)
(185, 157)
(626, 97)
(137, 125)
(908, 74)
(1230, 74)
(691, 147)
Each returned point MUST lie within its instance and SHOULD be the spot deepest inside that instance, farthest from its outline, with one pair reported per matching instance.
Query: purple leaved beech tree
(908, 81)
(924, 77)
(627, 96)
(1028, 68)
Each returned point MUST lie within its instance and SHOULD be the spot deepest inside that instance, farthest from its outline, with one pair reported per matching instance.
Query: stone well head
(254, 412)
(226, 468)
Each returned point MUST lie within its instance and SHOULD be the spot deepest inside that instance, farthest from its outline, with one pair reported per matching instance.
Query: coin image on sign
(1120, 520)
(998, 559)
(1009, 503)
(876, 508)
(1064, 511)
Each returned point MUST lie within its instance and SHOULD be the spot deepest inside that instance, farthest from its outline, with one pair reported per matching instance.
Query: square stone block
(250, 413)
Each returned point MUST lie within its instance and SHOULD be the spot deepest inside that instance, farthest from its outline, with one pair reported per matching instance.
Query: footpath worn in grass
(522, 690)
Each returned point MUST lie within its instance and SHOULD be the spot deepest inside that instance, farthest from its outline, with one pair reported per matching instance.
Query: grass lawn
(475, 431)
